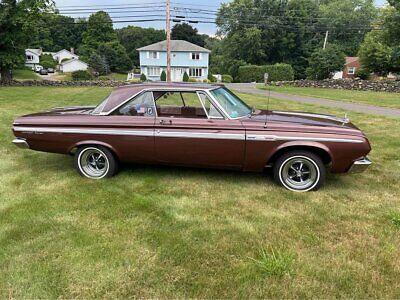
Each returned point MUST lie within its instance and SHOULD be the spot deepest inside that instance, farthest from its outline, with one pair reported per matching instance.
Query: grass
(25, 74)
(158, 232)
(383, 99)
(394, 217)
(114, 76)
(275, 262)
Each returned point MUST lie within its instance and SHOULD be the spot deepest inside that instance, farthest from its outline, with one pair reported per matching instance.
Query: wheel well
(324, 155)
(75, 149)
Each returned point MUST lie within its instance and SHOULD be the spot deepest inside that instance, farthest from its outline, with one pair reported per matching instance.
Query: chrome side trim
(202, 135)
(256, 137)
(21, 143)
(85, 131)
(360, 165)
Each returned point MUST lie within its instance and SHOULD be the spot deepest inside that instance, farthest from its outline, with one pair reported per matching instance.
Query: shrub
(81, 75)
(227, 78)
(185, 77)
(143, 77)
(192, 80)
(323, 63)
(277, 72)
(47, 61)
(211, 78)
(163, 76)
(362, 74)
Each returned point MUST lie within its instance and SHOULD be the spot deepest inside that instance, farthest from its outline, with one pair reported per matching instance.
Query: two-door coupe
(197, 125)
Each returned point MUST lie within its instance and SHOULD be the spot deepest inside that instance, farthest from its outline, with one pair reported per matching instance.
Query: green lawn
(372, 98)
(114, 76)
(25, 74)
(157, 232)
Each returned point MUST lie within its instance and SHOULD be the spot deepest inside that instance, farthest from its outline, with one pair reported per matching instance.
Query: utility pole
(326, 39)
(168, 29)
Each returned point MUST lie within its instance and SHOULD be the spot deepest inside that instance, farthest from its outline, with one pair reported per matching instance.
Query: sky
(150, 7)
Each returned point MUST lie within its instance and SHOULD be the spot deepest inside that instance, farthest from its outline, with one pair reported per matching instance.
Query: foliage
(115, 56)
(133, 37)
(227, 78)
(143, 77)
(47, 61)
(275, 262)
(375, 55)
(362, 74)
(187, 33)
(191, 79)
(81, 75)
(17, 21)
(98, 64)
(277, 72)
(185, 77)
(211, 78)
(163, 76)
(324, 62)
(394, 217)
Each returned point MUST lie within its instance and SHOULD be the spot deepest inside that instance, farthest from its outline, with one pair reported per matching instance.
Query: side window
(211, 111)
(142, 106)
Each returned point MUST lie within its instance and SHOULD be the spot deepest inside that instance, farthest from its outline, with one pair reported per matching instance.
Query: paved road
(251, 88)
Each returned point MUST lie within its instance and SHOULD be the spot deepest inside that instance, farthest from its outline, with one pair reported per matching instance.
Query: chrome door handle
(163, 122)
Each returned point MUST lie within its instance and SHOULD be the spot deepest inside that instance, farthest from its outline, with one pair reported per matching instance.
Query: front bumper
(360, 165)
(21, 143)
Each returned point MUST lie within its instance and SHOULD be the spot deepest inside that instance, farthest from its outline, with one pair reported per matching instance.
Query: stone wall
(100, 83)
(345, 84)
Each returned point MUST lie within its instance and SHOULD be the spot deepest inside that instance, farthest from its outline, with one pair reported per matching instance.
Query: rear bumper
(360, 165)
(21, 143)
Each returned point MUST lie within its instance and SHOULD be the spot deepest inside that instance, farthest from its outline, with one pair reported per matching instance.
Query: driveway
(250, 88)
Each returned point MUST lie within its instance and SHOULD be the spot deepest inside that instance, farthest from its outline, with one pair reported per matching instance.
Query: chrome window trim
(220, 106)
(212, 103)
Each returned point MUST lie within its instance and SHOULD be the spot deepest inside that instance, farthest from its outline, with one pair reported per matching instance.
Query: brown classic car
(196, 125)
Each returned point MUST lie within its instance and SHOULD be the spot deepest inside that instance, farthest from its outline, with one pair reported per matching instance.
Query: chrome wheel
(299, 173)
(93, 163)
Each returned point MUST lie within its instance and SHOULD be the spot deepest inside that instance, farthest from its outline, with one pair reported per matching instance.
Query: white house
(32, 57)
(64, 54)
(185, 57)
(72, 65)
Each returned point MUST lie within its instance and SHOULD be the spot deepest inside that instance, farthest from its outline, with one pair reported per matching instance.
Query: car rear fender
(73, 148)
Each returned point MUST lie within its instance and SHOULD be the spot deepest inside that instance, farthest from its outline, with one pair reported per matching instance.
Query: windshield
(232, 105)
(99, 108)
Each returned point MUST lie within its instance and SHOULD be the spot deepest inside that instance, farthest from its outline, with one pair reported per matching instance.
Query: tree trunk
(6, 76)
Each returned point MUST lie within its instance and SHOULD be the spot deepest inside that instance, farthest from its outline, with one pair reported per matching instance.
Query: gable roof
(72, 54)
(37, 52)
(351, 59)
(72, 60)
(176, 46)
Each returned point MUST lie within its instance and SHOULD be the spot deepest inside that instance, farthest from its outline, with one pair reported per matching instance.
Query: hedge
(277, 72)
(81, 75)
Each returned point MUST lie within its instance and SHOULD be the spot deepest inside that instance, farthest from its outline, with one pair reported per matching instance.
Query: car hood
(301, 121)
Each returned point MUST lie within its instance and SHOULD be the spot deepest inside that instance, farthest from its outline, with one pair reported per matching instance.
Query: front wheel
(300, 171)
(95, 162)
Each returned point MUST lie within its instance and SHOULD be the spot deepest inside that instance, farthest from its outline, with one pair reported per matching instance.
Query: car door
(134, 124)
(190, 131)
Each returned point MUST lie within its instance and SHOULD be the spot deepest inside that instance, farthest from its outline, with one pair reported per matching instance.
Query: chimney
(72, 50)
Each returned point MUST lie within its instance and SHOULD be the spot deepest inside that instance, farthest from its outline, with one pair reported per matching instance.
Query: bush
(227, 78)
(47, 61)
(323, 63)
(185, 77)
(277, 72)
(143, 77)
(81, 75)
(163, 76)
(192, 80)
(362, 74)
(211, 78)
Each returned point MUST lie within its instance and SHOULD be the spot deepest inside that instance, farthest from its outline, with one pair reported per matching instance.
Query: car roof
(123, 93)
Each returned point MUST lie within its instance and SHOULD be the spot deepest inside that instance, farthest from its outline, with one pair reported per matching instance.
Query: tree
(115, 55)
(98, 64)
(163, 76)
(17, 20)
(47, 61)
(143, 77)
(187, 33)
(324, 62)
(374, 54)
(132, 37)
(185, 77)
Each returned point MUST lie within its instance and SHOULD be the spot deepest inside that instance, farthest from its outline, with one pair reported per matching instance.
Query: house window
(195, 72)
(153, 71)
(351, 71)
(153, 54)
(29, 57)
(195, 56)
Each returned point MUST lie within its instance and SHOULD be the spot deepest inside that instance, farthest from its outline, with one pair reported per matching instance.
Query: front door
(177, 74)
(190, 131)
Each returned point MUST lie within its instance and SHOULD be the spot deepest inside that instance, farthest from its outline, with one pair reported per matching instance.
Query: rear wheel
(95, 162)
(300, 171)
